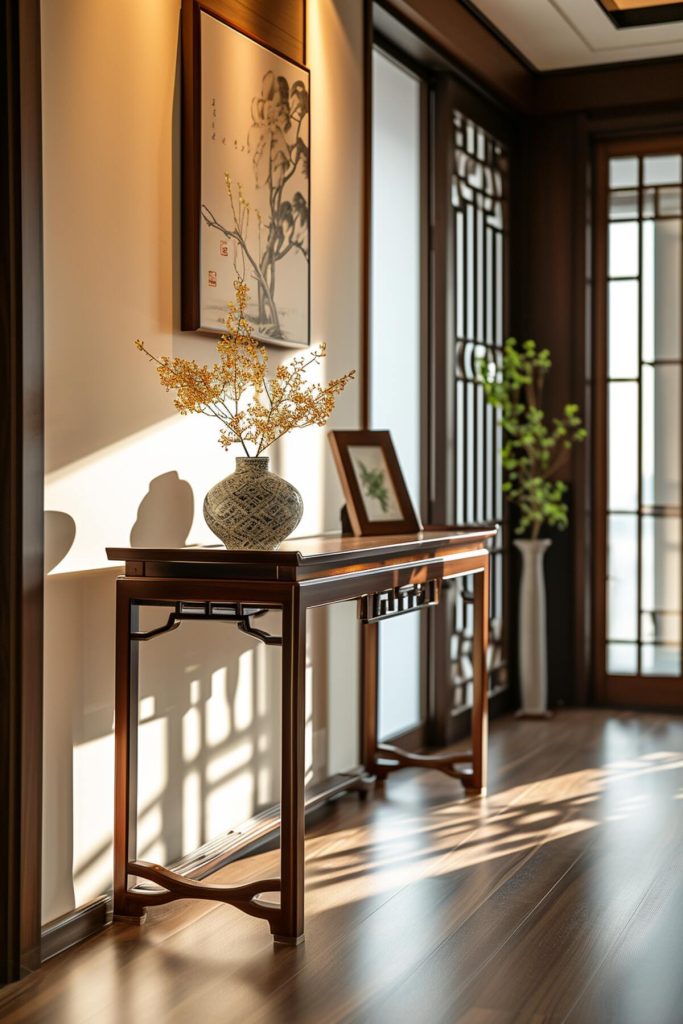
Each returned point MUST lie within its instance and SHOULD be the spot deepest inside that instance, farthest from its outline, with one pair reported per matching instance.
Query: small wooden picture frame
(377, 499)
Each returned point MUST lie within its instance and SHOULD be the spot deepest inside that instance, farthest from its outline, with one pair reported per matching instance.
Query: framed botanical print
(246, 180)
(377, 499)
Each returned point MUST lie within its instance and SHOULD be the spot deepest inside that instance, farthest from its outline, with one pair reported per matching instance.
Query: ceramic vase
(253, 508)
(533, 644)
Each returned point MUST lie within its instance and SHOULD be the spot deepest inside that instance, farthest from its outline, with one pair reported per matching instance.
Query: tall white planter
(533, 643)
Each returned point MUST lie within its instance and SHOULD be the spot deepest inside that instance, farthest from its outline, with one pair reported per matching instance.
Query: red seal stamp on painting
(213, 281)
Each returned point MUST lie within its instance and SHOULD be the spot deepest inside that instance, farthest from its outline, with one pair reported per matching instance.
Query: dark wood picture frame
(191, 165)
(341, 441)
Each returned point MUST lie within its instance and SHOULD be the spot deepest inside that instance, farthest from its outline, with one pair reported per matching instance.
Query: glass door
(397, 345)
(637, 438)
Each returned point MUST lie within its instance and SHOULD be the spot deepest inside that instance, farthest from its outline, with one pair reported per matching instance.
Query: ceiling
(554, 34)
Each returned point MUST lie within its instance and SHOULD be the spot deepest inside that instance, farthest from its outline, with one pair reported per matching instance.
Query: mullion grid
(653, 511)
(478, 287)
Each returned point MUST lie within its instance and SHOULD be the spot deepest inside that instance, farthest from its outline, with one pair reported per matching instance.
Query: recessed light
(632, 13)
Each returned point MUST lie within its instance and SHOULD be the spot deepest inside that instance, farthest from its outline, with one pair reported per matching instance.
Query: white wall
(122, 466)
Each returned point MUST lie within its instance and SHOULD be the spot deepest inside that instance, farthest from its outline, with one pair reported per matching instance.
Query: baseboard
(75, 926)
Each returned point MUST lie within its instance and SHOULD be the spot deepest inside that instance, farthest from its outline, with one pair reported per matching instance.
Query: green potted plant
(534, 453)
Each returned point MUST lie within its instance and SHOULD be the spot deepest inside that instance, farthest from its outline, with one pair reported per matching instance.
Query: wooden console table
(387, 576)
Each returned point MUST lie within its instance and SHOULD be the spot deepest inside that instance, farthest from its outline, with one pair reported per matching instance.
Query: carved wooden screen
(479, 198)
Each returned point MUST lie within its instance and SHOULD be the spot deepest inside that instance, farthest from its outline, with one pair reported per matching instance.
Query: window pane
(622, 577)
(669, 202)
(623, 206)
(662, 289)
(661, 391)
(623, 329)
(623, 249)
(622, 659)
(623, 447)
(660, 627)
(662, 170)
(660, 661)
(661, 576)
(623, 172)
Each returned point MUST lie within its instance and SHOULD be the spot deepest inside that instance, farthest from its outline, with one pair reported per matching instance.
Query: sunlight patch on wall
(150, 829)
(192, 734)
(217, 711)
(236, 791)
(244, 693)
(153, 761)
(192, 798)
(93, 813)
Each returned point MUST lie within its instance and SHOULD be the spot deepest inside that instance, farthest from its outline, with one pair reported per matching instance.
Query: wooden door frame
(661, 692)
(21, 523)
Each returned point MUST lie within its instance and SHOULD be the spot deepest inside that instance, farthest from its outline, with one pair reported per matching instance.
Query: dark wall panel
(611, 87)
(552, 304)
(21, 503)
(280, 24)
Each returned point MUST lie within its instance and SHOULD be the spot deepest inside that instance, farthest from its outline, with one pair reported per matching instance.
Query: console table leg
(480, 704)
(289, 926)
(126, 751)
(369, 695)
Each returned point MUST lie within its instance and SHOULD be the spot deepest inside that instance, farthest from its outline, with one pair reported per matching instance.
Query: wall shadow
(165, 514)
(59, 535)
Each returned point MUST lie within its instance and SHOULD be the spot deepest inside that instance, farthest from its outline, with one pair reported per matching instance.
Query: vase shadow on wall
(59, 531)
(165, 514)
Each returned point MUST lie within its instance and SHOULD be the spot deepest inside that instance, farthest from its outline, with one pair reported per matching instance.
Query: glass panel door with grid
(638, 444)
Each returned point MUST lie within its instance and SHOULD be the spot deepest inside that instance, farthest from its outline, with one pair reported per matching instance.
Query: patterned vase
(253, 508)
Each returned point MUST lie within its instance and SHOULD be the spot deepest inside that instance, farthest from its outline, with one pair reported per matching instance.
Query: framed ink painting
(246, 180)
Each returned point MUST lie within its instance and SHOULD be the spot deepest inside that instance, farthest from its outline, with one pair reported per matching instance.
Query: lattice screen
(480, 226)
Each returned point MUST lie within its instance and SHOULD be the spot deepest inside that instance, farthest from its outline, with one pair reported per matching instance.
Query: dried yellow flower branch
(253, 411)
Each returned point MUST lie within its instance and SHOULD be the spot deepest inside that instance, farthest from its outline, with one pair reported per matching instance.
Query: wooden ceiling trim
(459, 33)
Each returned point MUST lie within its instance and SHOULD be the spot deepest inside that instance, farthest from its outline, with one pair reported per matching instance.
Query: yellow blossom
(253, 411)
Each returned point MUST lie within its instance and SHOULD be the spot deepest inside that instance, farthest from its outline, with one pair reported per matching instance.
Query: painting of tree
(255, 192)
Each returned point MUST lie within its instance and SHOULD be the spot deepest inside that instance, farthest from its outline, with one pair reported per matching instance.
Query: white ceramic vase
(533, 643)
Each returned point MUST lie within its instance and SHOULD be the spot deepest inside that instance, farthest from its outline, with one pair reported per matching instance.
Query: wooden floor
(557, 898)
